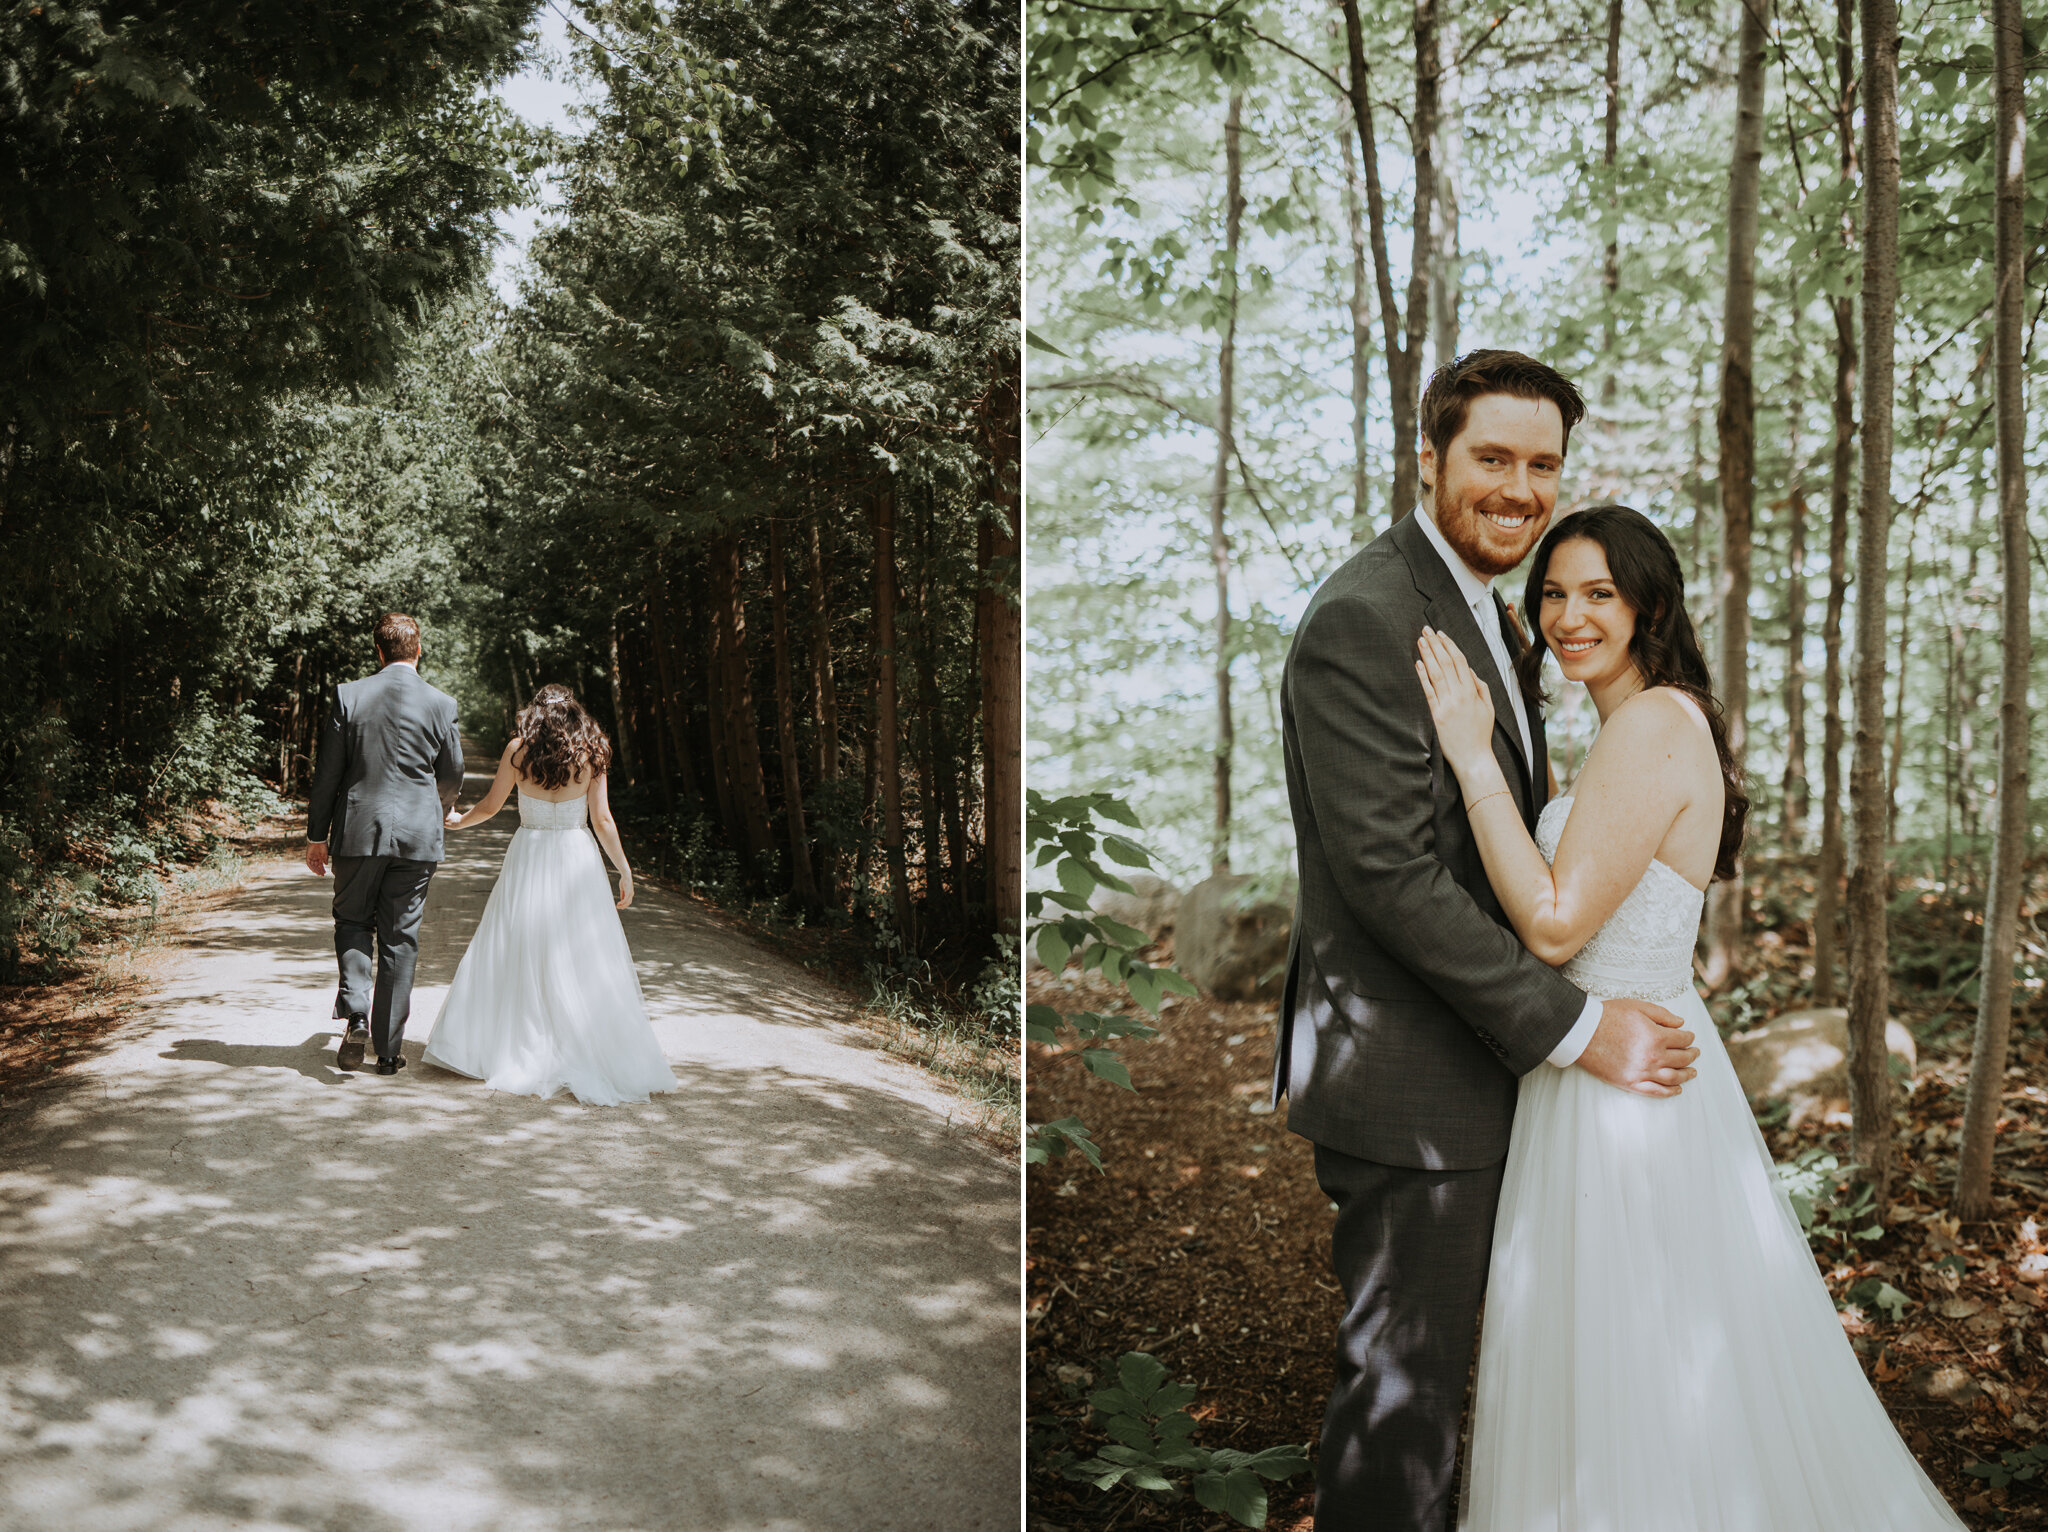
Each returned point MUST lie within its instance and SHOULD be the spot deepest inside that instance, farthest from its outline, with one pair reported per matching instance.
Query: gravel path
(241, 1289)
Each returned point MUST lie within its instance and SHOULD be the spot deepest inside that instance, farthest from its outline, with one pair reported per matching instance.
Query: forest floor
(247, 1288)
(1205, 1242)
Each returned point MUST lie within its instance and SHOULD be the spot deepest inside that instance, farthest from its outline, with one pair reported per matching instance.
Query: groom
(390, 765)
(1410, 1008)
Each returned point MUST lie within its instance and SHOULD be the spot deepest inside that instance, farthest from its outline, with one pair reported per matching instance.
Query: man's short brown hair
(398, 637)
(1453, 387)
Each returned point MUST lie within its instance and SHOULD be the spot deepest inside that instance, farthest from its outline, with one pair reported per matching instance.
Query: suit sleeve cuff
(1566, 1053)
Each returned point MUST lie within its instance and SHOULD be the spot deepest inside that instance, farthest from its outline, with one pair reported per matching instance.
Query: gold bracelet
(1499, 792)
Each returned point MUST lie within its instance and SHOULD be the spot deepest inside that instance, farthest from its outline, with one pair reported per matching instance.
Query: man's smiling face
(1494, 490)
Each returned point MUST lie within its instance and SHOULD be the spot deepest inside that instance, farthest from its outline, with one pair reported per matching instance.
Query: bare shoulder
(1658, 725)
(513, 754)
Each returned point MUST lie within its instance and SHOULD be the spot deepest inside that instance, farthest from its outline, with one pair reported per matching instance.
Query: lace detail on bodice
(1644, 950)
(539, 814)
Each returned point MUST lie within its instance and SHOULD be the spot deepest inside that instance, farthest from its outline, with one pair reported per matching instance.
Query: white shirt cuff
(1566, 1053)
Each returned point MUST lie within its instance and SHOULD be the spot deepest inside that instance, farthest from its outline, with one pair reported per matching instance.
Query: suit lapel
(1448, 614)
(1517, 642)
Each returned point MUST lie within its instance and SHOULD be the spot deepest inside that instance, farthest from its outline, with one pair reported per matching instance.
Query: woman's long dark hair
(560, 739)
(1665, 647)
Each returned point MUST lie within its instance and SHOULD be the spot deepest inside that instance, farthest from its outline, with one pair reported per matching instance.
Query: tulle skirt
(1658, 1350)
(546, 997)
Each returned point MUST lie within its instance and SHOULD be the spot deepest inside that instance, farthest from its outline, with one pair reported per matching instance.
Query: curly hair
(559, 739)
(1664, 646)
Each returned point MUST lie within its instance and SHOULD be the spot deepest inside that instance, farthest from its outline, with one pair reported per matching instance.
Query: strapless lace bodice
(539, 814)
(1645, 948)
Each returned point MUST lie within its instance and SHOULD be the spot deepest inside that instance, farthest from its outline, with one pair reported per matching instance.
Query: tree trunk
(824, 695)
(1403, 344)
(802, 883)
(1361, 349)
(1870, 1084)
(647, 686)
(1002, 657)
(1792, 823)
(668, 676)
(716, 717)
(1898, 748)
(887, 768)
(1219, 490)
(295, 705)
(2009, 838)
(931, 764)
(625, 766)
(1610, 264)
(1445, 273)
(736, 698)
(1827, 900)
(1736, 421)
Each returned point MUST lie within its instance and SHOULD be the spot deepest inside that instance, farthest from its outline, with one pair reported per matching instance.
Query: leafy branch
(1063, 834)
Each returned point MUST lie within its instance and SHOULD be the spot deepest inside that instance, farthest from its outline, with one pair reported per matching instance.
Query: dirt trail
(242, 1289)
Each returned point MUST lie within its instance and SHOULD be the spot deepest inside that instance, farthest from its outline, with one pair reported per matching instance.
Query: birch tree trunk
(1828, 897)
(1219, 490)
(1403, 344)
(1361, 347)
(1736, 421)
(1897, 759)
(1610, 264)
(1445, 277)
(2009, 838)
(1870, 1085)
(1792, 824)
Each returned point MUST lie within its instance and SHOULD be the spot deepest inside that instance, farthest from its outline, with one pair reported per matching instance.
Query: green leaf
(1075, 878)
(1105, 1065)
(1041, 1023)
(1279, 1462)
(1141, 1374)
(1125, 853)
(1038, 342)
(1053, 949)
(1051, 1140)
(1237, 1494)
(1119, 811)
(1132, 1432)
(1117, 931)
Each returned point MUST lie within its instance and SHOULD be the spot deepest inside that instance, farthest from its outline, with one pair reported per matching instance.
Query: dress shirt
(1478, 594)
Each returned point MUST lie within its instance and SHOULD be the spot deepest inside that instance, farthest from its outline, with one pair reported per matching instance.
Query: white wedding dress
(1658, 1352)
(546, 997)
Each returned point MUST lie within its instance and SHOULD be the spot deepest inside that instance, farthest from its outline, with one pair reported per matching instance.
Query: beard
(1463, 530)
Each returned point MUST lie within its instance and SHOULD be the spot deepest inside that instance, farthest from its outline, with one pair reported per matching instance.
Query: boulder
(1230, 943)
(1805, 1053)
(1151, 906)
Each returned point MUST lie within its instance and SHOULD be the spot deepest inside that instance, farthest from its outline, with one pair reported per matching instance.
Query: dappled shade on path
(248, 1289)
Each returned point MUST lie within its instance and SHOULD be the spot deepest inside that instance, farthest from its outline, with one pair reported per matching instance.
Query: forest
(1796, 258)
(740, 464)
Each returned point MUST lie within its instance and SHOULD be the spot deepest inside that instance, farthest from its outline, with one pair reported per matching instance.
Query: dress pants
(1411, 1249)
(380, 897)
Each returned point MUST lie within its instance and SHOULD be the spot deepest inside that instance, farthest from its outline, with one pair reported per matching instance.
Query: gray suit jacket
(390, 762)
(1410, 1008)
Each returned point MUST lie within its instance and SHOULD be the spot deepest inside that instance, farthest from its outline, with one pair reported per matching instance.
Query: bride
(1658, 1349)
(546, 997)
